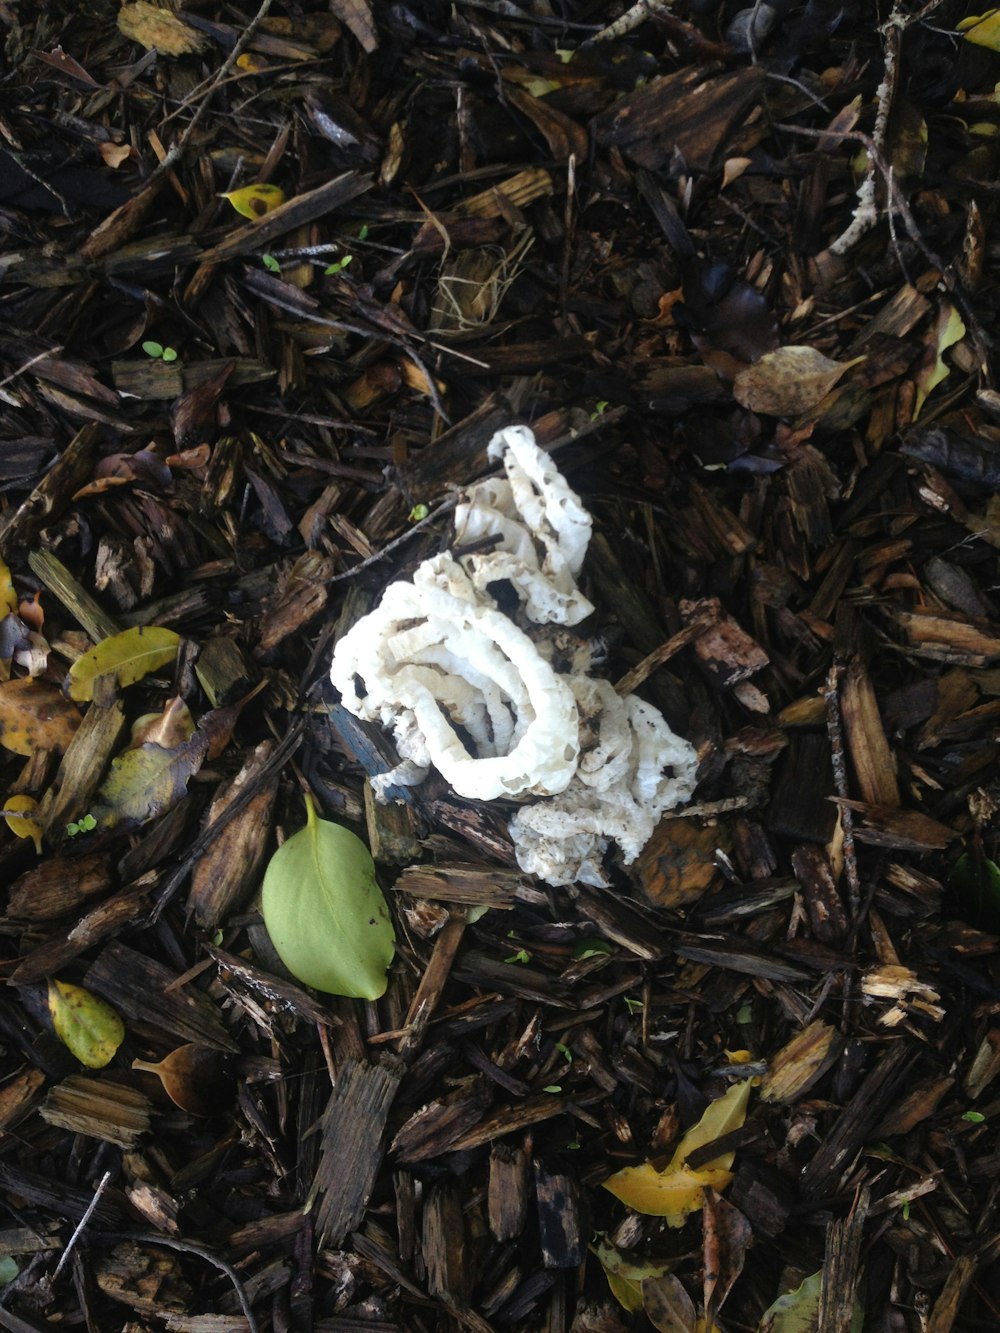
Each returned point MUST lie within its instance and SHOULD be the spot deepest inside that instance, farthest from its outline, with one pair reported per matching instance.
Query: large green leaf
(325, 912)
(130, 655)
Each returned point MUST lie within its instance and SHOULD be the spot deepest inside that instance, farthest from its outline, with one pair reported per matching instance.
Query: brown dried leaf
(727, 1237)
(35, 716)
(788, 381)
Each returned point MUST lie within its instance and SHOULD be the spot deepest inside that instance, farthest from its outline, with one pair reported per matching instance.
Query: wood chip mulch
(605, 222)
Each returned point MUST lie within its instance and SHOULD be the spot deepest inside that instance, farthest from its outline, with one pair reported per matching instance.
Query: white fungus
(473, 692)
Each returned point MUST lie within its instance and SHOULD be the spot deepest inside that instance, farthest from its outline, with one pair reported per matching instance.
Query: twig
(831, 697)
(866, 210)
(102, 1185)
(435, 514)
(189, 1247)
(629, 21)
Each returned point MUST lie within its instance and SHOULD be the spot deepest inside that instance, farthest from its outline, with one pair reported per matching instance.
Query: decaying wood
(352, 1128)
(101, 1109)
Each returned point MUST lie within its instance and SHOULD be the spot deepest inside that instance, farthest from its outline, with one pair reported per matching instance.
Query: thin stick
(831, 697)
(101, 1187)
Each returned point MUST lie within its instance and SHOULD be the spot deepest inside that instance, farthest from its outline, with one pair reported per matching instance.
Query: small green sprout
(85, 825)
(600, 409)
(552, 1087)
(522, 956)
(363, 232)
(270, 263)
(906, 1210)
(337, 267)
(974, 1117)
(565, 1052)
(158, 352)
(632, 1004)
(418, 513)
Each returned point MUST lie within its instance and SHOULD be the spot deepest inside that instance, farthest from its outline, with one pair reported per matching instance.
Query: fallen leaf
(168, 729)
(85, 1023)
(325, 912)
(21, 812)
(194, 1077)
(8, 597)
(114, 154)
(788, 381)
(727, 1237)
(948, 330)
(254, 201)
(36, 716)
(130, 655)
(146, 782)
(158, 29)
(982, 29)
(667, 1305)
(678, 1190)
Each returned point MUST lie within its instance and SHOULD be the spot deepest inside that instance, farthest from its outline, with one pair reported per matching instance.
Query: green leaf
(798, 1311)
(974, 1117)
(152, 348)
(337, 267)
(975, 880)
(85, 1023)
(271, 264)
(325, 912)
(8, 1270)
(130, 655)
(590, 949)
(169, 354)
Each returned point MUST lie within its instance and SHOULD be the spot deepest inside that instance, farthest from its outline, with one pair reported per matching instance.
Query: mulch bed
(241, 428)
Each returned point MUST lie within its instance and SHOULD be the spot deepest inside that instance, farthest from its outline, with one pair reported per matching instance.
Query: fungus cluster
(507, 705)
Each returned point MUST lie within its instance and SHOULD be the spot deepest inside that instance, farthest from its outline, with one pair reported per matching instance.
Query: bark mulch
(609, 224)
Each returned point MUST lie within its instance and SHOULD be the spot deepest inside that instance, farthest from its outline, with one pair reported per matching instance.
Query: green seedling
(631, 1004)
(85, 825)
(522, 956)
(158, 352)
(418, 513)
(337, 267)
(270, 263)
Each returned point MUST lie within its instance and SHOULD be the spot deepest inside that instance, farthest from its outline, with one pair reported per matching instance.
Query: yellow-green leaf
(625, 1275)
(148, 781)
(85, 1023)
(982, 29)
(21, 813)
(130, 655)
(948, 330)
(254, 201)
(325, 912)
(35, 716)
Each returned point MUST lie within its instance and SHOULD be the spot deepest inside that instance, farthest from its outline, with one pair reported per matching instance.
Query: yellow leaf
(677, 1191)
(19, 812)
(35, 716)
(721, 1117)
(8, 597)
(130, 655)
(253, 201)
(948, 330)
(625, 1275)
(158, 29)
(85, 1023)
(982, 29)
(672, 1194)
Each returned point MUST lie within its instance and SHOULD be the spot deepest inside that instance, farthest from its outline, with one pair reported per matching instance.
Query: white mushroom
(468, 691)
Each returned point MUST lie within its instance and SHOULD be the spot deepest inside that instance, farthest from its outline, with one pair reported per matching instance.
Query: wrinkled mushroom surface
(473, 692)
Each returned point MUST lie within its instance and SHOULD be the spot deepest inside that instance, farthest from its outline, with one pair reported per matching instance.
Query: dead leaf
(158, 29)
(36, 716)
(130, 656)
(727, 1238)
(667, 1305)
(788, 381)
(21, 813)
(147, 782)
